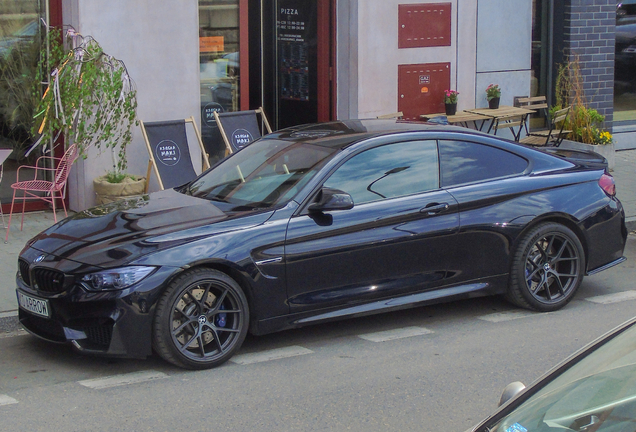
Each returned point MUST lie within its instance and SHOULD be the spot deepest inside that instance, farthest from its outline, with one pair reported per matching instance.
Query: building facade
(317, 60)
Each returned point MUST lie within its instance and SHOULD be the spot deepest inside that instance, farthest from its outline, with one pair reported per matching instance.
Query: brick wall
(589, 34)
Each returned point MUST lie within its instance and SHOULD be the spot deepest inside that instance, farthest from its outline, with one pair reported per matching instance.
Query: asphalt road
(340, 376)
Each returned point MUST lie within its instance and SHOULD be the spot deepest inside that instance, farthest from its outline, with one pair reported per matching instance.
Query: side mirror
(331, 199)
(511, 390)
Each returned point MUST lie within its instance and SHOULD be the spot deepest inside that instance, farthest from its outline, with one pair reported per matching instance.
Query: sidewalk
(624, 173)
(33, 224)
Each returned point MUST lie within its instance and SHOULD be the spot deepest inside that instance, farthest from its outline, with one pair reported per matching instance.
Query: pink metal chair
(32, 189)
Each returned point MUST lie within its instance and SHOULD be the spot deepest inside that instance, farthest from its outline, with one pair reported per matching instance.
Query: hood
(117, 233)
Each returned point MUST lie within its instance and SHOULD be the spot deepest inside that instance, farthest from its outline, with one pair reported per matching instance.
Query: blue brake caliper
(221, 318)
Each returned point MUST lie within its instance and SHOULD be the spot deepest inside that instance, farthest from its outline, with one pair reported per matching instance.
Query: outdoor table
(502, 112)
(462, 117)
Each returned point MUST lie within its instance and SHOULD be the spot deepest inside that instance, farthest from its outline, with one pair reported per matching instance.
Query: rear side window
(466, 162)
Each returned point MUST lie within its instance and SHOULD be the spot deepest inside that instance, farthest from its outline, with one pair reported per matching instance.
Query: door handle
(593, 420)
(434, 208)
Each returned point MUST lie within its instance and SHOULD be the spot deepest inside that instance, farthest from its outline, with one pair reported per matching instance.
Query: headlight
(116, 279)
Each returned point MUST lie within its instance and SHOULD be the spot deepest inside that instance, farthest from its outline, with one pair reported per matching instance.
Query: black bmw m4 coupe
(317, 223)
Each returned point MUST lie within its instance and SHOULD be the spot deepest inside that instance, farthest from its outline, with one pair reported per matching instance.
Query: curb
(630, 223)
(8, 314)
(9, 326)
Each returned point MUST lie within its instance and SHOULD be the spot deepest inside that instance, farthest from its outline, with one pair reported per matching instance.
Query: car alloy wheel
(201, 320)
(547, 268)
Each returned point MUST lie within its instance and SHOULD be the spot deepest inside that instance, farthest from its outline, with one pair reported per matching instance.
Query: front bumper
(111, 328)
(109, 323)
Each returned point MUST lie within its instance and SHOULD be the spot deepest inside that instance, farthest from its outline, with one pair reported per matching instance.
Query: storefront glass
(219, 66)
(19, 54)
(539, 61)
(540, 45)
(625, 62)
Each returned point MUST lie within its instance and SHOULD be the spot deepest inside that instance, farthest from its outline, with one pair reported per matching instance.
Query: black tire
(547, 268)
(201, 320)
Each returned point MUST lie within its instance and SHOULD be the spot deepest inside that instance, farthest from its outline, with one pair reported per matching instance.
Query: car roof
(340, 134)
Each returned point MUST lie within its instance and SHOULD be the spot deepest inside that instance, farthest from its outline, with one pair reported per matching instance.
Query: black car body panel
(118, 232)
(296, 266)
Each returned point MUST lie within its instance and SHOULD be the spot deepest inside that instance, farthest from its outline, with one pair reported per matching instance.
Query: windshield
(265, 174)
(596, 394)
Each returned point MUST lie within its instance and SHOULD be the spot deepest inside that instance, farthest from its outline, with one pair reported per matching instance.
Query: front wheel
(201, 320)
(547, 268)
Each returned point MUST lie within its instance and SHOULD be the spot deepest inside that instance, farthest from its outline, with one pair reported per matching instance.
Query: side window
(466, 162)
(389, 171)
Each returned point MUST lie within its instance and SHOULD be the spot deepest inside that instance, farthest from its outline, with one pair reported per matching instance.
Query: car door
(392, 242)
(487, 183)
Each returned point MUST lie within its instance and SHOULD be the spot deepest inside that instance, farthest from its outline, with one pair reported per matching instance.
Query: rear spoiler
(579, 157)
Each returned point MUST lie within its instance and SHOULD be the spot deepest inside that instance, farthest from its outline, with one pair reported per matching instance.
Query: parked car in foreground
(593, 390)
(317, 223)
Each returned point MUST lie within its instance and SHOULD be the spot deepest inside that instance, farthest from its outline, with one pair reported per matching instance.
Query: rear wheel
(201, 320)
(547, 268)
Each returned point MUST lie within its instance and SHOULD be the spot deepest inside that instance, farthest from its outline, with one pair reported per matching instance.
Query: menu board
(293, 49)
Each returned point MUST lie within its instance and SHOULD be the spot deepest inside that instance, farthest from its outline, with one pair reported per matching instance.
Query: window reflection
(467, 162)
(389, 171)
(625, 61)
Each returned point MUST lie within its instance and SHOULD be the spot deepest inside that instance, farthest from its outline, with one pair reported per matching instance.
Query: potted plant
(114, 186)
(90, 100)
(450, 101)
(493, 94)
(584, 123)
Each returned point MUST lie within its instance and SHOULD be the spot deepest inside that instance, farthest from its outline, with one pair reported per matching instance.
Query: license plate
(34, 305)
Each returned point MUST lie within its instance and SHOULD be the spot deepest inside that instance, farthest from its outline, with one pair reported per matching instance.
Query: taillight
(606, 182)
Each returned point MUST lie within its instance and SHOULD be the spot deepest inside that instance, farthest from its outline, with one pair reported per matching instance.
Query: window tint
(466, 162)
(389, 171)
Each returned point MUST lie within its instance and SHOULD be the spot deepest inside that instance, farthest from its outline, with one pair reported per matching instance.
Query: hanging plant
(90, 98)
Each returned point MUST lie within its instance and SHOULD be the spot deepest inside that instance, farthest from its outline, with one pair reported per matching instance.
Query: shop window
(540, 45)
(625, 62)
(19, 54)
(219, 66)
(540, 58)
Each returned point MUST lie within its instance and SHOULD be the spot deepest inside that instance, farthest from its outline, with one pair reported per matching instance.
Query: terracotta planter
(607, 150)
(493, 103)
(109, 192)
